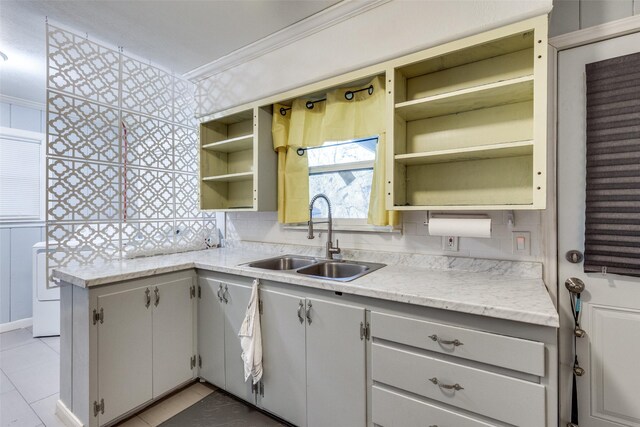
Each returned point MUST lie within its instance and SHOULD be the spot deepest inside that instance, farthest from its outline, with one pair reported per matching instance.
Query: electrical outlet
(450, 243)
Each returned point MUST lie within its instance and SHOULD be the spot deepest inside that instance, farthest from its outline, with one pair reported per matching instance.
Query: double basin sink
(343, 271)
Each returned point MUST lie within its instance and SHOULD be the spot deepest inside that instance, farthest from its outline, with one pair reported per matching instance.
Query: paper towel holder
(454, 216)
(511, 217)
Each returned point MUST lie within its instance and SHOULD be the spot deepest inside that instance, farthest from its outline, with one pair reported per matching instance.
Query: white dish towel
(251, 338)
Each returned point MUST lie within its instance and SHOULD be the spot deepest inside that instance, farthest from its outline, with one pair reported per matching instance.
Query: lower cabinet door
(211, 331)
(336, 377)
(283, 390)
(124, 353)
(173, 332)
(236, 299)
(391, 409)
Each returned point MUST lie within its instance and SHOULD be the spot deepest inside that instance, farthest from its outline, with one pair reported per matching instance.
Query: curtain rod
(348, 95)
(301, 150)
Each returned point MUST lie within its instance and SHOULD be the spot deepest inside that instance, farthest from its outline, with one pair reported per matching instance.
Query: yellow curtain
(305, 131)
(360, 117)
(280, 134)
(336, 119)
(378, 215)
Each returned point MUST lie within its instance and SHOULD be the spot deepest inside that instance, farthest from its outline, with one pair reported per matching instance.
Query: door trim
(596, 33)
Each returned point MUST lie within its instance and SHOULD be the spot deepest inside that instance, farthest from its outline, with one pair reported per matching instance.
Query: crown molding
(326, 18)
(21, 102)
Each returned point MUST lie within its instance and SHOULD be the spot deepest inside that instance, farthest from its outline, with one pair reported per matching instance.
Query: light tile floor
(29, 386)
(29, 379)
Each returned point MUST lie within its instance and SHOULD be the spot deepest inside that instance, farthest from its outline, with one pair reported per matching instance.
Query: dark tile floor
(221, 410)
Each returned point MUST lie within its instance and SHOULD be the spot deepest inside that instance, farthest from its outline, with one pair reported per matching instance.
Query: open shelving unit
(468, 123)
(236, 161)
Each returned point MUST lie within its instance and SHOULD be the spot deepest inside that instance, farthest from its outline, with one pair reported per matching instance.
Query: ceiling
(178, 35)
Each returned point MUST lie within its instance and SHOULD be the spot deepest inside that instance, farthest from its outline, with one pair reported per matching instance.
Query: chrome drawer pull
(455, 342)
(220, 290)
(300, 310)
(309, 312)
(456, 386)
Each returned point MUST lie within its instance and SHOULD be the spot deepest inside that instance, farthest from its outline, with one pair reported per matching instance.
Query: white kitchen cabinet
(129, 343)
(125, 348)
(283, 388)
(336, 375)
(417, 365)
(211, 331)
(173, 334)
(314, 359)
(236, 298)
(222, 308)
(324, 355)
(145, 335)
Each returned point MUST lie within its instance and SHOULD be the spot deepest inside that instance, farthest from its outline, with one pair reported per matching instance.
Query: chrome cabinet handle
(456, 386)
(224, 294)
(300, 309)
(309, 312)
(218, 293)
(157, 293)
(455, 343)
(147, 298)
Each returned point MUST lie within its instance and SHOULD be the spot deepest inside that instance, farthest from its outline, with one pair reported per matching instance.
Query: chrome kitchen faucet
(330, 249)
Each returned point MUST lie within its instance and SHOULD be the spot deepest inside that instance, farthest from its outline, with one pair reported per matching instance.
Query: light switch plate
(521, 242)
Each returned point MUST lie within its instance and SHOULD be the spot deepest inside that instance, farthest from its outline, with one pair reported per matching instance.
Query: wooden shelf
(232, 177)
(508, 149)
(239, 143)
(474, 98)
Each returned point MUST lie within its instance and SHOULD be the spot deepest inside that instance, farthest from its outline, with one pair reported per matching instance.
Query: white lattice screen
(122, 156)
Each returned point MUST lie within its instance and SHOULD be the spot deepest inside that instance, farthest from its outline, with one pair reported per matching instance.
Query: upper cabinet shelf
(511, 149)
(474, 98)
(467, 123)
(239, 143)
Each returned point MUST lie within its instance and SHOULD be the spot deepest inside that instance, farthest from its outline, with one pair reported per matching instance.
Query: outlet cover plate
(450, 243)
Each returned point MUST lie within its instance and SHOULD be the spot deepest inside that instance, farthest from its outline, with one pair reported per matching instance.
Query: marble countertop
(483, 287)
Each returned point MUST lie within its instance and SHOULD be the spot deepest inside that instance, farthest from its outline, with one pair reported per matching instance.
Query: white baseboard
(17, 324)
(66, 416)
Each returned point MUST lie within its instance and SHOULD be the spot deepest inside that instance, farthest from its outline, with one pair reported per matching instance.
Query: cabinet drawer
(497, 396)
(499, 350)
(390, 409)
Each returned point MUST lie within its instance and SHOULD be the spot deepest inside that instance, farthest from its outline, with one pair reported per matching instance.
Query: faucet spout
(330, 249)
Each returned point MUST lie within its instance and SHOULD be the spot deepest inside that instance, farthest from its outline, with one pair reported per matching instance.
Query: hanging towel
(251, 338)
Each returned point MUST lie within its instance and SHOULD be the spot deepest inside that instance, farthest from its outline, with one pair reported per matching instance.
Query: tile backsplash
(264, 227)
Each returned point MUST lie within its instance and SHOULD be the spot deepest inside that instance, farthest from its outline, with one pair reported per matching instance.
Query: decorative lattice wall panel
(122, 156)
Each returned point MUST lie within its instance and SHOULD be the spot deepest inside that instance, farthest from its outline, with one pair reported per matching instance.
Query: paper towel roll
(460, 227)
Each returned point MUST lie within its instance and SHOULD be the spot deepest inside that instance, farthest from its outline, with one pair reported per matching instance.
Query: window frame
(359, 225)
(30, 137)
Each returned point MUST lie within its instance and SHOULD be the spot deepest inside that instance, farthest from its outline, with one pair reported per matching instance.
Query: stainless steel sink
(286, 262)
(339, 270)
(343, 271)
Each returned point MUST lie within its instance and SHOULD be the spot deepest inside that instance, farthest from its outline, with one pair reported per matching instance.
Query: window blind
(612, 228)
(20, 179)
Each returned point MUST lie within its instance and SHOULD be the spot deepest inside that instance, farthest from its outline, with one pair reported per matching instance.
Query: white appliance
(46, 302)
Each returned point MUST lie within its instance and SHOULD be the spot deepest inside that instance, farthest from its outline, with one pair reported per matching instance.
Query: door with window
(599, 212)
